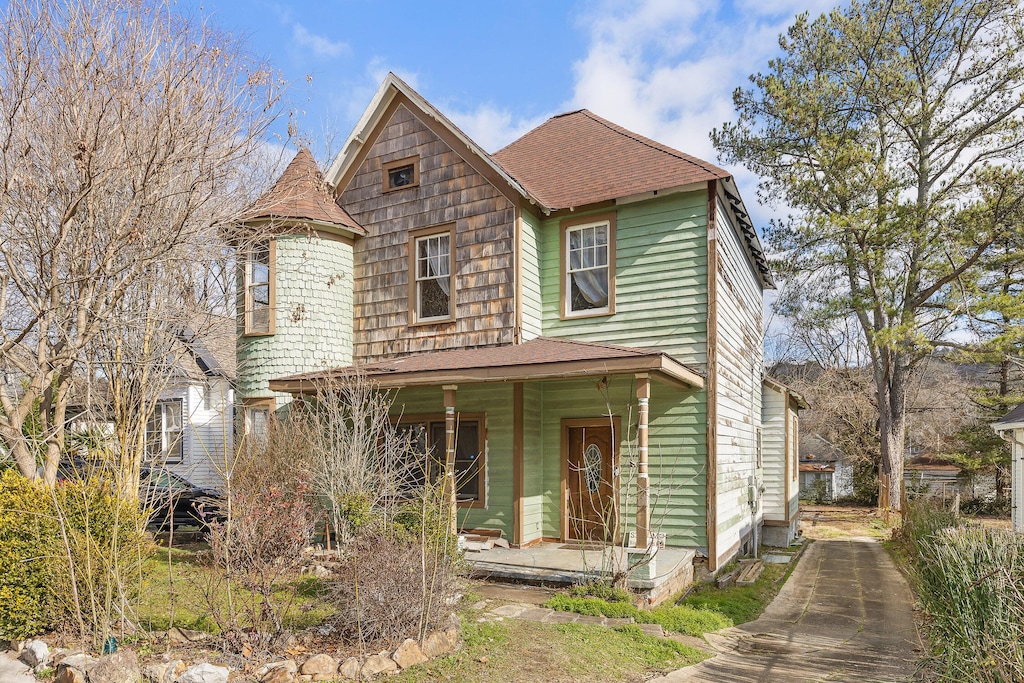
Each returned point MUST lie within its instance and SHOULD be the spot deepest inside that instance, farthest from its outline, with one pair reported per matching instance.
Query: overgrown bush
(68, 556)
(970, 582)
(677, 618)
(986, 507)
(393, 586)
(267, 521)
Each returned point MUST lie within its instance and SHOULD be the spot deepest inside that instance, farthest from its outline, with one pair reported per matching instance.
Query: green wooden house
(585, 303)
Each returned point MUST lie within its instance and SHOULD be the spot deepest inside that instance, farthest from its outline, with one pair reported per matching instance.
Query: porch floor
(671, 570)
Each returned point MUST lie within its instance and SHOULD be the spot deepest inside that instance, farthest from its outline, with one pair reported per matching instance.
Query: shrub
(393, 586)
(970, 583)
(259, 543)
(602, 591)
(66, 555)
(986, 507)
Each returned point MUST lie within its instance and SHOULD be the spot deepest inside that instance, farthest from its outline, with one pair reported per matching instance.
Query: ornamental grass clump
(970, 583)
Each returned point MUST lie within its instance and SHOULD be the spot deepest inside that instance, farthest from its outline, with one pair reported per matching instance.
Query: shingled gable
(539, 358)
(300, 195)
(392, 92)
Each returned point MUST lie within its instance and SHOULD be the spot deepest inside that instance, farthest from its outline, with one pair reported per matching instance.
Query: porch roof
(538, 359)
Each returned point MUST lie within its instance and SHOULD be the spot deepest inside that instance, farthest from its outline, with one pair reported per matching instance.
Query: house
(584, 304)
(822, 461)
(190, 430)
(1011, 428)
(779, 453)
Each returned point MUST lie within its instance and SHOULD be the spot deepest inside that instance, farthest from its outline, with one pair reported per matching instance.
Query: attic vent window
(401, 174)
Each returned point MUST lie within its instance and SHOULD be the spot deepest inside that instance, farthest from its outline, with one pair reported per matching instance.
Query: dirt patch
(835, 521)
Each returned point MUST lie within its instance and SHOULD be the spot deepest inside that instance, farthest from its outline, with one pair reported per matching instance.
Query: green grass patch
(694, 621)
(741, 603)
(523, 652)
(186, 587)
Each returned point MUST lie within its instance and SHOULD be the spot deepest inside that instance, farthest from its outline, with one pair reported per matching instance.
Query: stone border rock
(73, 666)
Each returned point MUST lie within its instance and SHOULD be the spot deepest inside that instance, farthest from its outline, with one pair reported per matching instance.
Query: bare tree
(125, 131)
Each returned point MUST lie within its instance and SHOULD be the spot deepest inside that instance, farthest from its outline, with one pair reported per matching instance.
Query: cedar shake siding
(449, 191)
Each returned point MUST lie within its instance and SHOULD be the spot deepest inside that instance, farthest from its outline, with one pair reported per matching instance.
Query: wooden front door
(590, 490)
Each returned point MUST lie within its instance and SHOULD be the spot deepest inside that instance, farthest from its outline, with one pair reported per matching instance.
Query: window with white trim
(587, 287)
(432, 277)
(164, 438)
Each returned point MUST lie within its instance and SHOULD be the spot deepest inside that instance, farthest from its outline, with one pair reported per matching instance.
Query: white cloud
(320, 46)
(492, 128)
(668, 69)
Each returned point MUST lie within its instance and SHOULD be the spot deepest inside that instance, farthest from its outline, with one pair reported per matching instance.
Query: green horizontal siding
(660, 281)
(532, 300)
(495, 400)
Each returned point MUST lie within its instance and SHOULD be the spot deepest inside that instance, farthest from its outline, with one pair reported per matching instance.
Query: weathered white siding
(738, 380)
(774, 453)
(1017, 480)
(207, 432)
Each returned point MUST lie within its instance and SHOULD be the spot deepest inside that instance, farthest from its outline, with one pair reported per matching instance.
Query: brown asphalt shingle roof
(536, 352)
(579, 158)
(301, 194)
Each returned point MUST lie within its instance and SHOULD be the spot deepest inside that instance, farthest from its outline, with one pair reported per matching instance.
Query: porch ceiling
(538, 359)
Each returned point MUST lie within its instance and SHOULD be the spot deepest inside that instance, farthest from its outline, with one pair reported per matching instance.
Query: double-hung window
(164, 443)
(432, 282)
(588, 247)
(427, 434)
(259, 288)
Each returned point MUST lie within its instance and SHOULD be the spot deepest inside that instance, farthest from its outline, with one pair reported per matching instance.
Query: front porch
(670, 571)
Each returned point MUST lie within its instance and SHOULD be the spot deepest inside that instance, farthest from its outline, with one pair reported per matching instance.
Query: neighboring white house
(190, 430)
(821, 461)
(778, 453)
(1011, 428)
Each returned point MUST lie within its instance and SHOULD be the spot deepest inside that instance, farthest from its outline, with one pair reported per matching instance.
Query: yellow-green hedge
(105, 540)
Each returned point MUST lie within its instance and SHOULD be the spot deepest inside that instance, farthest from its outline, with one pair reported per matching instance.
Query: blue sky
(663, 68)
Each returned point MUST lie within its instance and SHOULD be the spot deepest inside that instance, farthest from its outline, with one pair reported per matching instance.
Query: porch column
(643, 482)
(450, 487)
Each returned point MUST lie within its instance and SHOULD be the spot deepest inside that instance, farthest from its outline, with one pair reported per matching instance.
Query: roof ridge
(638, 350)
(653, 144)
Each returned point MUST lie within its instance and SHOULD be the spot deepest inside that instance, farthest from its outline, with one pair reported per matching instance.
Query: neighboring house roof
(300, 194)
(931, 463)
(539, 358)
(781, 388)
(579, 158)
(819, 449)
(211, 351)
(1012, 420)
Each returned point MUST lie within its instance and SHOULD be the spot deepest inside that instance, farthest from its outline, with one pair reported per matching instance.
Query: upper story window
(164, 432)
(432, 268)
(588, 266)
(400, 174)
(259, 288)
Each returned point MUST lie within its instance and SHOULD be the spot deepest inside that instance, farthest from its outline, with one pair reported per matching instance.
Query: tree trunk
(891, 388)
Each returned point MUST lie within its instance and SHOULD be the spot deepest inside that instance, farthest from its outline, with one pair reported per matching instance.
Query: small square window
(401, 174)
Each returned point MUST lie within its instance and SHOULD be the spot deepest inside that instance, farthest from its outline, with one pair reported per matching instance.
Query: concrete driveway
(846, 614)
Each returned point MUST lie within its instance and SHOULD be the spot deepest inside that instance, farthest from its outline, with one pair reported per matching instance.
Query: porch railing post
(450, 485)
(643, 482)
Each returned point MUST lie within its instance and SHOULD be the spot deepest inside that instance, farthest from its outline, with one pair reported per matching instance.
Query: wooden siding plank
(450, 191)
